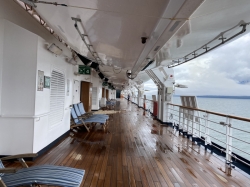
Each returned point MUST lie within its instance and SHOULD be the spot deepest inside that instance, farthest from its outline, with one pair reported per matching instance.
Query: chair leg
(85, 126)
(105, 128)
(2, 183)
(72, 141)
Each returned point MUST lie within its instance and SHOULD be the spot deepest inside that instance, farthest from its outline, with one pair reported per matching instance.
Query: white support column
(180, 111)
(139, 98)
(163, 91)
(193, 124)
(159, 103)
(188, 121)
(183, 119)
(145, 102)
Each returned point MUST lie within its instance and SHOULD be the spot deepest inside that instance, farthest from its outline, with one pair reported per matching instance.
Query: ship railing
(138, 101)
(149, 105)
(134, 99)
(227, 133)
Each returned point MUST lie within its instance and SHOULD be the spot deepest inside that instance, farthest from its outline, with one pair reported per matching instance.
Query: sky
(223, 71)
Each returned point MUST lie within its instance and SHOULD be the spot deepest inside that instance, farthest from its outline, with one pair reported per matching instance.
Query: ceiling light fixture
(130, 75)
(54, 49)
(72, 61)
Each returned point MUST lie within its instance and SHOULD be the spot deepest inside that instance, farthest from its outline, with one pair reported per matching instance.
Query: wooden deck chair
(83, 122)
(38, 175)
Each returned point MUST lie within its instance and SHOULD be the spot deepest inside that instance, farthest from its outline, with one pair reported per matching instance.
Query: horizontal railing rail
(215, 113)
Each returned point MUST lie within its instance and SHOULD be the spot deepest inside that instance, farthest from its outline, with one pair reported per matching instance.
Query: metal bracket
(76, 19)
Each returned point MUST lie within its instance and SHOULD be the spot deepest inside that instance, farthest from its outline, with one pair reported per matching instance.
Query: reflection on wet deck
(138, 151)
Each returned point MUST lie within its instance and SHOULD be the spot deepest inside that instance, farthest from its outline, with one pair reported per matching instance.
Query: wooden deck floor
(140, 152)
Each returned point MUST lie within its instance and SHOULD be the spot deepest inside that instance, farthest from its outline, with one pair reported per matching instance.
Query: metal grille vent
(57, 98)
(94, 95)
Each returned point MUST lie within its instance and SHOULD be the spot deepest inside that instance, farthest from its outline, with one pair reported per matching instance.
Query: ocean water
(236, 107)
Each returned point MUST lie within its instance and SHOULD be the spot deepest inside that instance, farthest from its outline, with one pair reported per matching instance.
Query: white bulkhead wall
(17, 100)
(24, 111)
(24, 123)
(1, 55)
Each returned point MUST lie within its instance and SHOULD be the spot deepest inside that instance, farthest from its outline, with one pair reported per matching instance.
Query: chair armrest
(27, 155)
(82, 117)
(8, 170)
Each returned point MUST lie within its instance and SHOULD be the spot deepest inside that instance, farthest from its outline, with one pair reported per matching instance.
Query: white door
(76, 92)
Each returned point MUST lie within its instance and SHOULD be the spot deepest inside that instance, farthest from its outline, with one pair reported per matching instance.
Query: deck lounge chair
(83, 122)
(38, 175)
(111, 104)
(81, 110)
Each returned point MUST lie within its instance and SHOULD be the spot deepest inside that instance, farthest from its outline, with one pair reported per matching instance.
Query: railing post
(193, 131)
(199, 124)
(228, 166)
(188, 121)
(207, 138)
(180, 117)
(183, 118)
(167, 116)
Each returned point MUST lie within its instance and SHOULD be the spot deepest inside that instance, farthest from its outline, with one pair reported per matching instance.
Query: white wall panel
(1, 57)
(19, 76)
(16, 135)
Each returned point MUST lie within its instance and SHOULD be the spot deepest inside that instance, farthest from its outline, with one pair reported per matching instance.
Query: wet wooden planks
(137, 151)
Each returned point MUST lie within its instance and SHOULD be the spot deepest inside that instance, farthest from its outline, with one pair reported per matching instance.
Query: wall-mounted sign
(40, 80)
(46, 82)
(84, 70)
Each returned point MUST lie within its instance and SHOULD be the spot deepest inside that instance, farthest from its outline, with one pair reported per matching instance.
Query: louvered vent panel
(57, 98)
(94, 95)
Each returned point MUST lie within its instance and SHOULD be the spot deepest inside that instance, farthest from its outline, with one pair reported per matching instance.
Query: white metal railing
(149, 104)
(135, 100)
(141, 102)
(227, 133)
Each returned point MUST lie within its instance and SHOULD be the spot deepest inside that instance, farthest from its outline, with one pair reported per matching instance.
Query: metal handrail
(215, 113)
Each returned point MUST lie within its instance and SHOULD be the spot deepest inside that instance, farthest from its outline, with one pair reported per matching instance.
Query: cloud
(224, 71)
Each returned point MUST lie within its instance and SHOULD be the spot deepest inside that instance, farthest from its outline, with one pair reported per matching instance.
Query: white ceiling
(115, 28)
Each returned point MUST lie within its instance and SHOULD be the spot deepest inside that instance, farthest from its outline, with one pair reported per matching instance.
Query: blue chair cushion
(1, 166)
(45, 174)
(92, 119)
